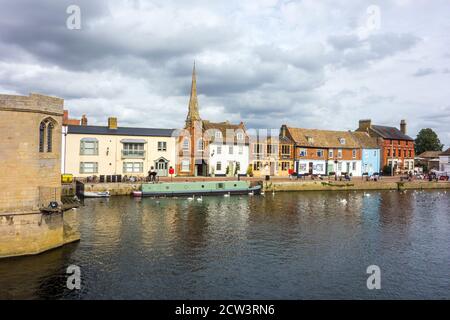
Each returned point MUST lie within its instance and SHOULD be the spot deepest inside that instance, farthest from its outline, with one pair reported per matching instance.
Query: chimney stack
(364, 125)
(112, 123)
(403, 126)
(84, 120)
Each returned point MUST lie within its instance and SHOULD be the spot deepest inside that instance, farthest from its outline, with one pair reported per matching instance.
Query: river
(293, 245)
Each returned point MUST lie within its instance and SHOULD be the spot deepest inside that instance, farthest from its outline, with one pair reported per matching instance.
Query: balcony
(133, 154)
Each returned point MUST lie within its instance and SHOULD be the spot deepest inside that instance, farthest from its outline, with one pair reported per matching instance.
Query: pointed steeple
(193, 114)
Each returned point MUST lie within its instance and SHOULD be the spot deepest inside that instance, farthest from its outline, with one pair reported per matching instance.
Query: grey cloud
(421, 72)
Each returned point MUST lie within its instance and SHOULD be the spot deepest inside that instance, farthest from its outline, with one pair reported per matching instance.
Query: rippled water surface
(284, 246)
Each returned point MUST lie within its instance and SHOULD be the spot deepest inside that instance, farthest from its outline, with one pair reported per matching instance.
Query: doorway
(161, 167)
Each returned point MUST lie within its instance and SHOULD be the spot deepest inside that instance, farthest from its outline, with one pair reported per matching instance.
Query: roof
(445, 153)
(365, 140)
(120, 131)
(224, 127)
(323, 138)
(429, 154)
(390, 133)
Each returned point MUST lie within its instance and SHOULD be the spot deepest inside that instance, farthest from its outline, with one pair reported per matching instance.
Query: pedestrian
(171, 172)
(291, 173)
(152, 174)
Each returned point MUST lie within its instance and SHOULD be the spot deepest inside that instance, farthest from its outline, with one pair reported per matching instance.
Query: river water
(308, 245)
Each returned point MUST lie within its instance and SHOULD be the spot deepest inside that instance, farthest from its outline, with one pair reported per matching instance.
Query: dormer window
(240, 136)
(342, 140)
(218, 135)
(310, 139)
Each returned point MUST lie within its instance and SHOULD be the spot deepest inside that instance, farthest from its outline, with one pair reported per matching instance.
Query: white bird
(191, 199)
(366, 194)
(343, 201)
(251, 193)
(273, 192)
(200, 199)
(226, 195)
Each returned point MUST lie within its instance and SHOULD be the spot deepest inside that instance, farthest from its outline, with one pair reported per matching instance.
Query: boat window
(235, 185)
(220, 186)
(203, 186)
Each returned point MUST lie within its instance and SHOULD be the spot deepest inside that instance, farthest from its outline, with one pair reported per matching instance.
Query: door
(348, 167)
(311, 166)
(161, 167)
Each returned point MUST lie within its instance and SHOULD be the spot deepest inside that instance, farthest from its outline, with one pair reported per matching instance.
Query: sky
(311, 63)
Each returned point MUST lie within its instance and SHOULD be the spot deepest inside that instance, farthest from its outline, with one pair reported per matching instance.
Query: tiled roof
(390, 133)
(365, 140)
(429, 154)
(224, 127)
(323, 138)
(445, 153)
(120, 131)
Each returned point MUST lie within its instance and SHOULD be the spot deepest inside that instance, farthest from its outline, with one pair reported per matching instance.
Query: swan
(343, 201)
(191, 198)
(226, 195)
(200, 199)
(251, 193)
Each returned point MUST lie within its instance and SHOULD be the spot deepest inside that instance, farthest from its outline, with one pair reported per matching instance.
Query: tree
(427, 140)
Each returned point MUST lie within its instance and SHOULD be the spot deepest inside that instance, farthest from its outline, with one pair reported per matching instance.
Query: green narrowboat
(170, 189)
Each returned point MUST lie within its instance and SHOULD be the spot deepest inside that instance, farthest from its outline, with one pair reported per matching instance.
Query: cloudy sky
(315, 64)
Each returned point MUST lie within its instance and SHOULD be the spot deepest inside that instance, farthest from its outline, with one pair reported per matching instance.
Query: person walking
(152, 174)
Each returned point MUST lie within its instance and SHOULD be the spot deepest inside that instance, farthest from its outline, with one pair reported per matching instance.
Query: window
(133, 167)
(303, 153)
(162, 146)
(404, 153)
(339, 167)
(302, 167)
(341, 140)
(285, 149)
(219, 149)
(41, 136)
(230, 149)
(46, 135)
(241, 150)
(186, 145)
(257, 165)
(375, 153)
(88, 167)
(89, 147)
(318, 167)
(331, 153)
(257, 148)
(185, 165)
(320, 153)
(219, 166)
(50, 127)
(240, 136)
(339, 153)
(218, 134)
(354, 166)
(200, 144)
(395, 153)
(133, 150)
(354, 153)
(284, 166)
(389, 152)
(272, 149)
(310, 139)
(410, 153)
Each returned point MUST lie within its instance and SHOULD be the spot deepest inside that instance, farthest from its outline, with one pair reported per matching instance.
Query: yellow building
(110, 152)
(30, 182)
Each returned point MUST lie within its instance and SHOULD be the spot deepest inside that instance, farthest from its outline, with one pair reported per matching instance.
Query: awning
(133, 141)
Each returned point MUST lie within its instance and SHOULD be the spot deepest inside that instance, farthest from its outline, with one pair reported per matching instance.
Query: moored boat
(198, 188)
(96, 194)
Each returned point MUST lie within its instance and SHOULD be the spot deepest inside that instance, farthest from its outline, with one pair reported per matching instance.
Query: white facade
(222, 156)
(304, 166)
(353, 167)
(444, 163)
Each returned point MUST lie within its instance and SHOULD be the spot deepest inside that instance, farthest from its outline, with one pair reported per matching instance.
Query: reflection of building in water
(30, 127)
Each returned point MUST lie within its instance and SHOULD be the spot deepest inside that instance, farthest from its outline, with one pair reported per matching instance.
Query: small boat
(96, 194)
(198, 188)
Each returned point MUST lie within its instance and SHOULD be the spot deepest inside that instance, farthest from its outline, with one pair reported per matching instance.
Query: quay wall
(36, 232)
(120, 189)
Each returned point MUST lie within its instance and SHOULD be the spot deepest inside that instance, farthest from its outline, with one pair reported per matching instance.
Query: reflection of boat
(98, 194)
(137, 193)
(198, 188)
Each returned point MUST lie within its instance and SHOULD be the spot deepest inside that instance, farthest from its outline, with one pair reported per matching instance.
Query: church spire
(193, 114)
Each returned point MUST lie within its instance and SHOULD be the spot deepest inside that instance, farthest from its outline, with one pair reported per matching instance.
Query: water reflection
(287, 245)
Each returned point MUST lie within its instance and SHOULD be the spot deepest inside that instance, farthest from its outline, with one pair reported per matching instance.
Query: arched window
(46, 135)
(50, 127)
(186, 144)
(42, 136)
(200, 144)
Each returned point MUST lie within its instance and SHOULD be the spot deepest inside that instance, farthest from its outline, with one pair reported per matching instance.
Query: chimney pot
(364, 125)
(403, 126)
(84, 120)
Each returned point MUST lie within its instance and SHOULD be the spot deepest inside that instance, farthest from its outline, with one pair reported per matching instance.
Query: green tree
(427, 140)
